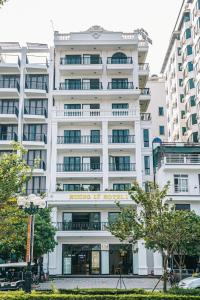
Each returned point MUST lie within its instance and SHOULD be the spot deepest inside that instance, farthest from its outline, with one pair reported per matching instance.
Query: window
(192, 101)
(182, 114)
(180, 183)
(37, 185)
(194, 119)
(72, 84)
(146, 137)
(90, 187)
(182, 207)
(191, 83)
(121, 186)
(181, 98)
(180, 82)
(120, 136)
(184, 130)
(179, 51)
(147, 165)
(180, 67)
(119, 163)
(162, 130)
(195, 138)
(120, 105)
(35, 132)
(188, 33)
(71, 187)
(72, 106)
(112, 216)
(161, 111)
(189, 50)
(190, 66)
(95, 136)
(72, 136)
(73, 59)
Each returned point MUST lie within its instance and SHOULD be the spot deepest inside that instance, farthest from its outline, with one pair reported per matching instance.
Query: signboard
(88, 196)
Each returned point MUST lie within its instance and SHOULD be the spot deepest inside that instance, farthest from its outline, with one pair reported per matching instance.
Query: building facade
(81, 107)
(181, 70)
(157, 107)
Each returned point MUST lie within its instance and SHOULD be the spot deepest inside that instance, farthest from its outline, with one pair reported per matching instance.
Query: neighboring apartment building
(81, 107)
(25, 106)
(157, 107)
(179, 163)
(181, 70)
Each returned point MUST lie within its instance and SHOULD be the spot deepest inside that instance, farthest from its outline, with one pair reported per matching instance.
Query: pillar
(104, 259)
(142, 259)
(158, 266)
(105, 154)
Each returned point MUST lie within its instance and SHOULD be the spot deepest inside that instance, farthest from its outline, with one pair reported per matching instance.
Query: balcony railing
(178, 188)
(80, 226)
(182, 159)
(121, 85)
(35, 137)
(122, 167)
(84, 139)
(83, 167)
(145, 91)
(9, 136)
(80, 61)
(37, 164)
(36, 85)
(77, 113)
(81, 86)
(36, 191)
(121, 139)
(144, 67)
(126, 60)
(9, 110)
(36, 111)
(145, 117)
(9, 83)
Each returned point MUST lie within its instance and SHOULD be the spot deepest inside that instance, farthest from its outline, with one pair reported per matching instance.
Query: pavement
(88, 282)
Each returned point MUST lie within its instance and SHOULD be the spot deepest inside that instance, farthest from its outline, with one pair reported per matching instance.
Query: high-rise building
(81, 107)
(157, 107)
(181, 70)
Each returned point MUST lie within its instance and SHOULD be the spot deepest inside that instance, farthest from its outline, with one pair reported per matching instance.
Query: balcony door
(120, 163)
(73, 84)
(72, 136)
(95, 136)
(91, 163)
(91, 84)
(72, 164)
(120, 135)
(120, 83)
(91, 58)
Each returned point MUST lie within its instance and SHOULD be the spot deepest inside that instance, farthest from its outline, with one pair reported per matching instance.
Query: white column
(142, 259)
(105, 154)
(104, 259)
(54, 129)
(158, 266)
(52, 259)
(138, 153)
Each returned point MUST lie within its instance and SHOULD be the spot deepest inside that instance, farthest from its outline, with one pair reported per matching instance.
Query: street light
(31, 205)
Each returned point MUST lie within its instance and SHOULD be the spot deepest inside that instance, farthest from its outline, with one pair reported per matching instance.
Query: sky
(30, 20)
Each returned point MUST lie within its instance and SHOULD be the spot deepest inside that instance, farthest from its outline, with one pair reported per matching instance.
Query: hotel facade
(81, 107)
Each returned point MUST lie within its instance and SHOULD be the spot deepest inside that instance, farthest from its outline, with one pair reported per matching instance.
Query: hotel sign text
(99, 197)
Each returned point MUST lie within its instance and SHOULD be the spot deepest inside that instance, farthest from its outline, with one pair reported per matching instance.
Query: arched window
(119, 58)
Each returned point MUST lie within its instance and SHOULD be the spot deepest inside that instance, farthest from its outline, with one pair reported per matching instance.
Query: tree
(2, 2)
(14, 173)
(161, 227)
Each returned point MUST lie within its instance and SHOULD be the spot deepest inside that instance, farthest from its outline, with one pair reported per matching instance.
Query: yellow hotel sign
(88, 196)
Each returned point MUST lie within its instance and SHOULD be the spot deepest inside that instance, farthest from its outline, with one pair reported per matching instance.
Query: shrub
(180, 291)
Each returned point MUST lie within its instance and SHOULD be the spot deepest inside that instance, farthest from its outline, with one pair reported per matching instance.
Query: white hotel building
(83, 112)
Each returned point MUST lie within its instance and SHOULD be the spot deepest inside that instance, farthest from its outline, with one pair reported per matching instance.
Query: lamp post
(31, 205)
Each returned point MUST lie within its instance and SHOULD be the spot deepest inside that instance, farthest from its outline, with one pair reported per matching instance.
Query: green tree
(2, 2)
(14, 173)
(161, 227)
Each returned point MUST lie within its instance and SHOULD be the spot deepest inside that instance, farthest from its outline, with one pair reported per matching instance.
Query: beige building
(157, 107)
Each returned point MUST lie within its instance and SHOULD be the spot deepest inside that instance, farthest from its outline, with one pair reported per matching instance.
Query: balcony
(9, 64)
(84, 139)
(83, 167)
(35, 113)
(180, 161)
(121, 85)
(80, 226)
(127, 139)
(124, 65)
(7, 138)
(36, 64)
(122, 167)
(145, 97)
(81, 86)
(35, 88)
(9, 87)
(34, 139)
(9, 113)
(143, 69)
(68, 115)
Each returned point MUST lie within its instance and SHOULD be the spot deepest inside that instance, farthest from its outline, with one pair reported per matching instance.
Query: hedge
(98, 291)
(40, 296)
(181, 291)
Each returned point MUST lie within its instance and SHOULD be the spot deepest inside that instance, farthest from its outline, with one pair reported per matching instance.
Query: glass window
(182, 207)
(95, 136)
(161, 111)
(112, 216)
(190, 66)
(179, 51)
(72, 136)
(180, 183)
(194, 119)
(181, 98)
(161, 130)
(189, 50)
(147, 165)
(183, 130)
(195, 138)
(180, 82)
(121, 186)
(188, 33)
(71, 187)
(120, 135)
(192, 101)
(120, 105)
(146, 137)
(191, 83)
(182, 114)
